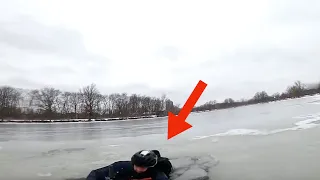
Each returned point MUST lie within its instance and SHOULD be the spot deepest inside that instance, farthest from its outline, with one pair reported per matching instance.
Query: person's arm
(99, 174)
(160, 176)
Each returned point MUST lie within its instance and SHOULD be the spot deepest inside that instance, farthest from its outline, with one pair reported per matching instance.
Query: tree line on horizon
(50, 103)
(88, 103)
(298, 89)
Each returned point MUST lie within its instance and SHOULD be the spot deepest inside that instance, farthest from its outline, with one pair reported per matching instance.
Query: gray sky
(154, 47)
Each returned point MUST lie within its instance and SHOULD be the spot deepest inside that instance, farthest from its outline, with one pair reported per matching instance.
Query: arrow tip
(176, 125)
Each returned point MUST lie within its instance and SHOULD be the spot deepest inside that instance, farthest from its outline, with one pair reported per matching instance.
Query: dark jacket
(123, 170)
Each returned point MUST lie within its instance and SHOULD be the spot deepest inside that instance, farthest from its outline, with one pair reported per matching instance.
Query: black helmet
(144, 158)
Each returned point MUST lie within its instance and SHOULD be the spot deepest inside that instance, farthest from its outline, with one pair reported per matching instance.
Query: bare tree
(163, 101)
(169, 105)
(66, 103)
(75, 100)
(276, 95)
(121, 104)
(261, 96)
(296, 90)
(157, 105)
(229, 101)
(134, 104)
(47, 100)
(99, 104)
(90, 96)
(9, 100)
(106, 106)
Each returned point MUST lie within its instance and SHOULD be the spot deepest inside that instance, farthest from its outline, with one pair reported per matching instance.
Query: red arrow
(177, 124)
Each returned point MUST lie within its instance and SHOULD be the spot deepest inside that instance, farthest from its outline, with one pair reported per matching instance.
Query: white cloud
(237, 47)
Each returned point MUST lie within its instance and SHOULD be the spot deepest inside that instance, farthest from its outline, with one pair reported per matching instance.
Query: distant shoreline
(55, 121)
(21, 121)
(50, 105)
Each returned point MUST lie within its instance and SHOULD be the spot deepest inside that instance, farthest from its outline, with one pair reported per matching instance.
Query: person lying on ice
(144, 165)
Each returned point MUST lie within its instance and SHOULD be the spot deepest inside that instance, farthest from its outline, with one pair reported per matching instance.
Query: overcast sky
(154, 47)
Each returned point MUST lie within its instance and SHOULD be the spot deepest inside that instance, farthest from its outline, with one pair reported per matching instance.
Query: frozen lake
(267, 141)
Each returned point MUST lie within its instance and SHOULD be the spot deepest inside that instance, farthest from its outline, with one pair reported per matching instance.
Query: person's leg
(161, 176)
